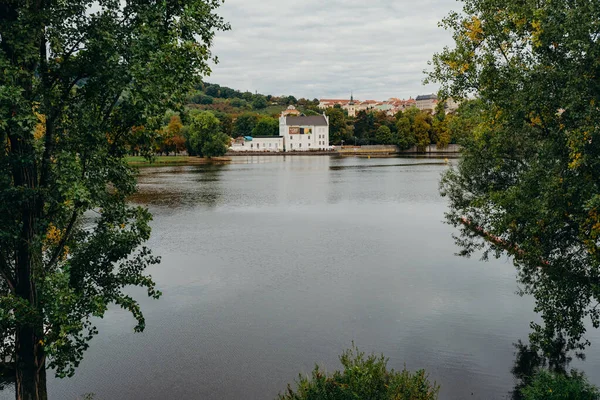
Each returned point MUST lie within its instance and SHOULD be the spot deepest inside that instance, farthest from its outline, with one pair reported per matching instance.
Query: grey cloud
(315, 48)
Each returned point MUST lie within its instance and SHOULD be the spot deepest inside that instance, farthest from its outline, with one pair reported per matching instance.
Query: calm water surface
(271, 264)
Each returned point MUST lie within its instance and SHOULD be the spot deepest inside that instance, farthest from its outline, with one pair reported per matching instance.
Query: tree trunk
(30, 379)
(30, 360)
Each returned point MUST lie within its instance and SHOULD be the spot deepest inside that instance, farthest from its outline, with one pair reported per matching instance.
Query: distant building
(426, 102)
(257, 143)
(291, 110)
(330, 103)
(304, 133)
(351, 107)
(451, 105)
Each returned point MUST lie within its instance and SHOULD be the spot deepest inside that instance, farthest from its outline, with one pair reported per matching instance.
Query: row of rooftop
(391, 106)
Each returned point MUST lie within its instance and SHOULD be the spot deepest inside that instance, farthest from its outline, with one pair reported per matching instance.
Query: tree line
(406, 129)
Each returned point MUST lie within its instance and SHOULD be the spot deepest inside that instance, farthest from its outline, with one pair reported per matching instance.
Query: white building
(304, 133)
(257, 143)
(426, 102)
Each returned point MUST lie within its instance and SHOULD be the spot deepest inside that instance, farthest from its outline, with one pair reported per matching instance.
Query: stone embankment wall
(383, 150)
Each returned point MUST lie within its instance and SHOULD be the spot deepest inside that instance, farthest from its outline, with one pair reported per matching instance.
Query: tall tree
(440, 131)
(78, 78)
(205, 137)
(406, 136)
(338, 129)
(529, 181)
(422, 130)
(364, 126)
(384, 135)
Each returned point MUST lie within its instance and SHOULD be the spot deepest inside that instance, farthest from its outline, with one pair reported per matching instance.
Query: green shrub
(363, 378)
(549, 386)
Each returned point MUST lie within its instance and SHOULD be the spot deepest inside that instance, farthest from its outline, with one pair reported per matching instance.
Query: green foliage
(338, 129)
(406, 137)
(259, 102)
(205, 137)
(200, 98)
(364, 127)
(528, 184)
(266, 126)
(226, 122)
(79, 80)
(466, 119)
(237, 102)
(384, 135)
(422, 130)
(363, 378)
(547, 386)
(244, 124)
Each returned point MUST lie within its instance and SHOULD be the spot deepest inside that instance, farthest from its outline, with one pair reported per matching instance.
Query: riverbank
(159, 161)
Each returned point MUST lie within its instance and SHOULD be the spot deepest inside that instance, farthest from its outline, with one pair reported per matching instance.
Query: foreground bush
(546, 386)
(363, 378)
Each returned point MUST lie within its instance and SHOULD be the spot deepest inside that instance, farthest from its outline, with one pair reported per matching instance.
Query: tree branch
(63, 240)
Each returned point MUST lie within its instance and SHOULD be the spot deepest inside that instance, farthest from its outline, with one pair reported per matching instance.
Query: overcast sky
(327, 48)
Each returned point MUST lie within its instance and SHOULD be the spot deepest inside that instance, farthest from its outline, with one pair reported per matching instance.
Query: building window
(309, 145)
(300, 145)
(309, 138)
(291, 137)
(257, 145)
(270, 144)
(251, 145)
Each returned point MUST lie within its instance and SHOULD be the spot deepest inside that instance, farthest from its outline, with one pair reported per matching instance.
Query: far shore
(182, 160)
(158, 161)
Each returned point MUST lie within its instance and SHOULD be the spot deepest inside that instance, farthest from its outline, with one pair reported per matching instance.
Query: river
(272, 264)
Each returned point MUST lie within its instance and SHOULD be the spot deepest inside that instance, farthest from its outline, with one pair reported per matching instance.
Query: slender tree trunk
(30, 368)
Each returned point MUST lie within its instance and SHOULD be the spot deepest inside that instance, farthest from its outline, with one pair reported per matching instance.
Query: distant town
(391, 106)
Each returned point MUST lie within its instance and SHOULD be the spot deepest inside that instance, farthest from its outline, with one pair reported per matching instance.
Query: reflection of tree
(183, 186)
(209, 191)
(530, 359)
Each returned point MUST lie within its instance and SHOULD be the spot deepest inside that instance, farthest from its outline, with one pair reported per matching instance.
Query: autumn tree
(441, 134)
(78, 77)
(528, 184)
(422, 129)
(170, 138)
(405, 136)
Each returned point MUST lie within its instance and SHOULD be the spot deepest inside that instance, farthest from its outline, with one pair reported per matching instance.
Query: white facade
(305, 133)
(426, 102)
(261, 143)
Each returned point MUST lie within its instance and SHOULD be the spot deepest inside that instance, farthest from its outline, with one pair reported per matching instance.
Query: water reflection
(198, 185)
(272, 265)
(529, 359)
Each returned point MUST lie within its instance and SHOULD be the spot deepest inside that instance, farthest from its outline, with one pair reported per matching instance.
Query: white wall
(260, 144)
